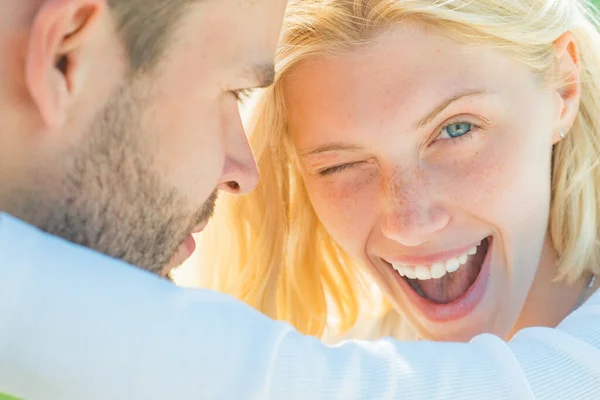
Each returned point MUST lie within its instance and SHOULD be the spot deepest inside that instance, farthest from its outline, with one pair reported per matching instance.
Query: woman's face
(429, 162)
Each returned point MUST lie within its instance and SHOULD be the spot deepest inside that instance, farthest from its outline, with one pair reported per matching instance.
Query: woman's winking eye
(338, 168)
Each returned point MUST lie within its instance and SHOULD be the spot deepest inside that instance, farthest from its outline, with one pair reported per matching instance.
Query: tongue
(451, 286)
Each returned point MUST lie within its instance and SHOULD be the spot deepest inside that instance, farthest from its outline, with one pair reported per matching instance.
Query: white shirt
(76, 325)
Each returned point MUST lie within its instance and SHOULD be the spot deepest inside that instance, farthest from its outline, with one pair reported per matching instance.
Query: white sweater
(76, 325)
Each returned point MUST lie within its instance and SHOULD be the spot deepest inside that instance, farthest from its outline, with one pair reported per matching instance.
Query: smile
(437, 270)
(450, 288)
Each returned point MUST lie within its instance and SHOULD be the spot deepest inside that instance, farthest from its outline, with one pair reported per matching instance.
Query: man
(120, 125)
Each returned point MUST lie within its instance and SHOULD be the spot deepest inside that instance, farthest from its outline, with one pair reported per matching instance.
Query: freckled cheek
(503, 186)
(347, 207)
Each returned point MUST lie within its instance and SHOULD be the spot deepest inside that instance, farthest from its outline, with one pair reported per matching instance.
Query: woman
(446, 151)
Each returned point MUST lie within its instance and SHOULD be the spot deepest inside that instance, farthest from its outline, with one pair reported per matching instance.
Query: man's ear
(568, 65)
(61, 28)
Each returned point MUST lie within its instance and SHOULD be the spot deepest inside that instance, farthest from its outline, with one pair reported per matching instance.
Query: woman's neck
(549, 302)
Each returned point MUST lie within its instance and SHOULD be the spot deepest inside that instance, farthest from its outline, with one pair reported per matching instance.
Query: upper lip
(200, 227)
(429, 259)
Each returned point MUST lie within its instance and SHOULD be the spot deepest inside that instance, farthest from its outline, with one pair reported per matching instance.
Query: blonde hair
(269, 248)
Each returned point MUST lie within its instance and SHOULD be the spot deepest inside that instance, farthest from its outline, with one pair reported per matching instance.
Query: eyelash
(338, 168)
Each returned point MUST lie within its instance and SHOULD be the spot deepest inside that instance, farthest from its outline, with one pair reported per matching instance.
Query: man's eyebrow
(262, 74)
(445, 104)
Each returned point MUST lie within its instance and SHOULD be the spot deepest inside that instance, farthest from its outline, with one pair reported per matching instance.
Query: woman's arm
(78, 325)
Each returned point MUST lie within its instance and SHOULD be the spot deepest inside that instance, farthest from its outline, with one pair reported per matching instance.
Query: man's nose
(240, 173)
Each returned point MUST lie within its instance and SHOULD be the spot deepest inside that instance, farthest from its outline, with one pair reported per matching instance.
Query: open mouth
(447, 281)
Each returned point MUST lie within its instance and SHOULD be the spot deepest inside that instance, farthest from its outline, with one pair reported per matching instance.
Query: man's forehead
(240, 6)
(258, 20)
(241, 34)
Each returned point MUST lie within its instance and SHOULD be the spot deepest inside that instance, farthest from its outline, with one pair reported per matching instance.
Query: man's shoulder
(7, 221)
(25, 250)
(18, 238)
(68, 311)
(13, 229)
(30, 256)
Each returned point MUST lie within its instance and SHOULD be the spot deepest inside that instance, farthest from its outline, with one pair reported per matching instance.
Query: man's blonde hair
(269, 248)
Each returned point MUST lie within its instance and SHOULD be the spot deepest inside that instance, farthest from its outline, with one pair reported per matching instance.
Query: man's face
(130, 164)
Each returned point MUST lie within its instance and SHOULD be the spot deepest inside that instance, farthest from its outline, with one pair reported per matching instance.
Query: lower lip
(189, 245)
(460, 307)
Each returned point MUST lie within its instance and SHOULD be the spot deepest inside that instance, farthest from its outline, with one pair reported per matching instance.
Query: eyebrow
(335, 146)
(262, 74)
(439, 109)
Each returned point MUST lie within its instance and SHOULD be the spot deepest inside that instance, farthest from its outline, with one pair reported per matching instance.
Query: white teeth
(401, 269)
(410, 273)
(452, 265)
(423, 273)
(437, 270)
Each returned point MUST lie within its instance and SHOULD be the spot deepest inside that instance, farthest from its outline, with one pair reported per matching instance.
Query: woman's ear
(61, 28)
(568, 66)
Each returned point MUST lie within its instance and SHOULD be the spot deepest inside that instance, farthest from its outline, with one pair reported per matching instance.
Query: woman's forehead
(399, 70)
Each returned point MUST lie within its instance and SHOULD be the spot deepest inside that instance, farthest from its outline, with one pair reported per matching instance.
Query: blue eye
(457, 129)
